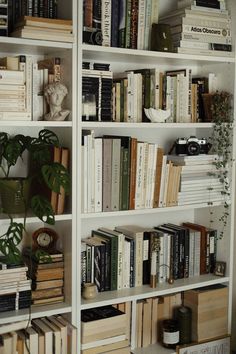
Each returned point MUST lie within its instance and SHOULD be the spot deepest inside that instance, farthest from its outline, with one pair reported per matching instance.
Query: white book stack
(199, 181)
(198, 29)
(15, 88)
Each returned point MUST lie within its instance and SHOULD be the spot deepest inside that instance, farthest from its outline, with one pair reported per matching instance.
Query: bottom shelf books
(106, 329)
(45, 335)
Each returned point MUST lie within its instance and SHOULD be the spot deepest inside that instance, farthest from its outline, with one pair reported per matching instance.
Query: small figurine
(55, 94)
(157, 115)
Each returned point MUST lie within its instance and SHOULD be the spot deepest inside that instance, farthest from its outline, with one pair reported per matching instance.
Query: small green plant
(221, 140)
(43, 171)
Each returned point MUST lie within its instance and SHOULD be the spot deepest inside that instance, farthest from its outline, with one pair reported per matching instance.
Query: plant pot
(14, 195)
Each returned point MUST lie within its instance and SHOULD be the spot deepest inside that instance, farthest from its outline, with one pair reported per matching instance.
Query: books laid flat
(56, 36)
(45, 23)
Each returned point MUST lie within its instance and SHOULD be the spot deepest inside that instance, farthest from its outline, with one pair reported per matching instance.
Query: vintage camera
(192, 146)
(92, 36)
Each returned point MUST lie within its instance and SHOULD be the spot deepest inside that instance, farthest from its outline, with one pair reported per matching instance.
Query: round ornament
(45, 239)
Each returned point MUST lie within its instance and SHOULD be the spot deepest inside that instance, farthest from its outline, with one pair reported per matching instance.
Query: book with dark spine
(97, 14)
(41, 8)
(29, 10)
(115, 23)
(107, 263)
(213, 249)
(88, 13)
(134, 24)
(128, 24)
(106, 188)
(146, 90)
(122, 17)
(46, 9)
(36, 8)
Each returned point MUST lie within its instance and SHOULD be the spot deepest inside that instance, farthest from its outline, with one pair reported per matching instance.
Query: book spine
(146, 258)
(207, 251)
(213, 247)
(132, 263)
(97, 13)
(139, 260)
(41, 8)
(46, 9)
(125, 179)
(106, 22)
(29, 8)
(147, 30)
(62, 194)
(122, 18)
(89, 264)
(120, 266)
(126, 263)
(203, 252)
(107, 157)
(99, 264)
(85, 174)
(139, 174)
(197, 253)
(202, 38)
(144, 175)
(115, 23)
(128, 24)
(36, 8)
(133, 163)
(115, 173)
(134, 24)
(88, 13)
(141, 24)
(186, 253)
(50, 8)
(175, 252)
(114, 262)
(98, 175)
(107, 266)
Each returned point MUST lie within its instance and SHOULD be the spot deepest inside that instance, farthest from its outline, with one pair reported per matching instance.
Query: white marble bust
(55, 94)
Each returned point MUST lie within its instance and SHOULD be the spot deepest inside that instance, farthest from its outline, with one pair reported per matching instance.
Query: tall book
(61, 196)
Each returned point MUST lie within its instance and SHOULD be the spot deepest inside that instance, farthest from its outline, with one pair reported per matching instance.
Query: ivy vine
(221, 139)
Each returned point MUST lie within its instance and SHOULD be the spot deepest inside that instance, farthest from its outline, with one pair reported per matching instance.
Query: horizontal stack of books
(43, 29)
(15, 287)
(15, 88)
(97, 81)
(4, 18)
(201, 27)
(124, 23)
(47, 278)
(127, 256)
(52, 334)
(199, 180)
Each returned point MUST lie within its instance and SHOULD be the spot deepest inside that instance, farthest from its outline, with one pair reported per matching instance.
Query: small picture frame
(220, 269)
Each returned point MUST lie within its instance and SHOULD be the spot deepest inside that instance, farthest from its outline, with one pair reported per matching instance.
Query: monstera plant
(18, 195)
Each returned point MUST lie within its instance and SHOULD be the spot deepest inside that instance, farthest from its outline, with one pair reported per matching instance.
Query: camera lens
(98, 38)
(193, 148)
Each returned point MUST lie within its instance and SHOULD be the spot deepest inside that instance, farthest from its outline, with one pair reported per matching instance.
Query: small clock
(45, 239)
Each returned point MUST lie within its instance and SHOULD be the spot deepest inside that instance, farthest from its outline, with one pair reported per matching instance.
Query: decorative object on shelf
(45, 239)
(55, 94)
(157, 115)
(220, 269)
(191, 146)
(221, 140)
(161, 39)
(89, 291)
(92, 36)
(45, 173)
(221, 345)
(89, 107)
(184, 317)
(170, 333)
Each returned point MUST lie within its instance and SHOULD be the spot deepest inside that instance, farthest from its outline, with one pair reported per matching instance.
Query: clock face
(44, 239)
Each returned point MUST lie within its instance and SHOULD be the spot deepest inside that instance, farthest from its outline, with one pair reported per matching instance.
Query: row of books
(22, 85)
(106, 329)
(15, 287)
(125, 24)
(4, 18)
(54, 334)
(47, 278)
(129, 255)
(199, 27)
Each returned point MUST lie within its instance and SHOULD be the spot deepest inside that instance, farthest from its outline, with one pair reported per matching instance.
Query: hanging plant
(221, 139)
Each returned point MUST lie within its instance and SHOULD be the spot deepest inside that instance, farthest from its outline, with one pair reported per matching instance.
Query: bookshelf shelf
(148, 211)
(49, 124)
(31, 46)
(153, 349)
(143, 292)
(36, 312)
(104, 125)
(141, 56)
(32, 219)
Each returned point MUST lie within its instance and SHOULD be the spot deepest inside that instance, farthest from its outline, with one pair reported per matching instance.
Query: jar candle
(170, 333)
(184, 316)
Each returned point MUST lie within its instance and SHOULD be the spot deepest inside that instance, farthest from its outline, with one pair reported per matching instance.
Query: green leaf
(43, 256)
(12, 152)
(56, 176)
(48, 137)
(42, 209)
(15, 232)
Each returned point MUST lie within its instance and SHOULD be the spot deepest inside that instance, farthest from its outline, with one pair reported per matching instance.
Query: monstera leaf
(9, 242)
(15, 233)
(56, 176)
(42, 256)
(42, 209)
(48, 137)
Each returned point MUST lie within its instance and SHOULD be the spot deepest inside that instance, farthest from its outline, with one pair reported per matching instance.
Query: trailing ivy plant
(221, 139)
(43, 172)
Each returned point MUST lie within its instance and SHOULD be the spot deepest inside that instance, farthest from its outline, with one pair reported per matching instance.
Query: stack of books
(15, 88)
(47, 278)
(201, 27)
(52, 334)
(15, 287)
(97, 81)
(129, 255)
(199, 180)
(43, 29)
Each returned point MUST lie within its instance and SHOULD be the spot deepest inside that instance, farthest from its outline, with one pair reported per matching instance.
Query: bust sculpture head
(55, 94)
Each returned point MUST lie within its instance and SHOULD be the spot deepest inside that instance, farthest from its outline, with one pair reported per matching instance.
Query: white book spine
(153, 176)
(120, 262)
(162, 186)
(130, 98)
(106, 23)
(206, 30)
(126, 262)
(139, 99)
(207, 22)
(201, 38)
(135, 98)
(151, 152)
(167, 173)
(139, 169)
(212, 82)
(89, 174)
(141, 24)
(98, 175)
(147, 30)
(115, 174)
(144, 174)
(92, 182)
(161, 260)
(28, 83)
(155, 11)
(17, 116)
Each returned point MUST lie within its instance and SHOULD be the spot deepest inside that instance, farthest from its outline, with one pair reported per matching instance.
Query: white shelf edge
(87, 48)
(33, 219)
(143, 292)
(148, 211)
(36, 312)
(35, 42)
(145, 125)
(153, 349)
(35, 124)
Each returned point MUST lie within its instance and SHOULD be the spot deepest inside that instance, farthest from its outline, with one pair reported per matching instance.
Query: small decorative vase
(89, 291)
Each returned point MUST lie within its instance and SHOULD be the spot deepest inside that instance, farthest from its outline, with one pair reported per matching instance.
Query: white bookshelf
(126, 59)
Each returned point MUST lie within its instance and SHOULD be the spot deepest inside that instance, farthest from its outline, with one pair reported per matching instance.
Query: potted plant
(17, 194)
